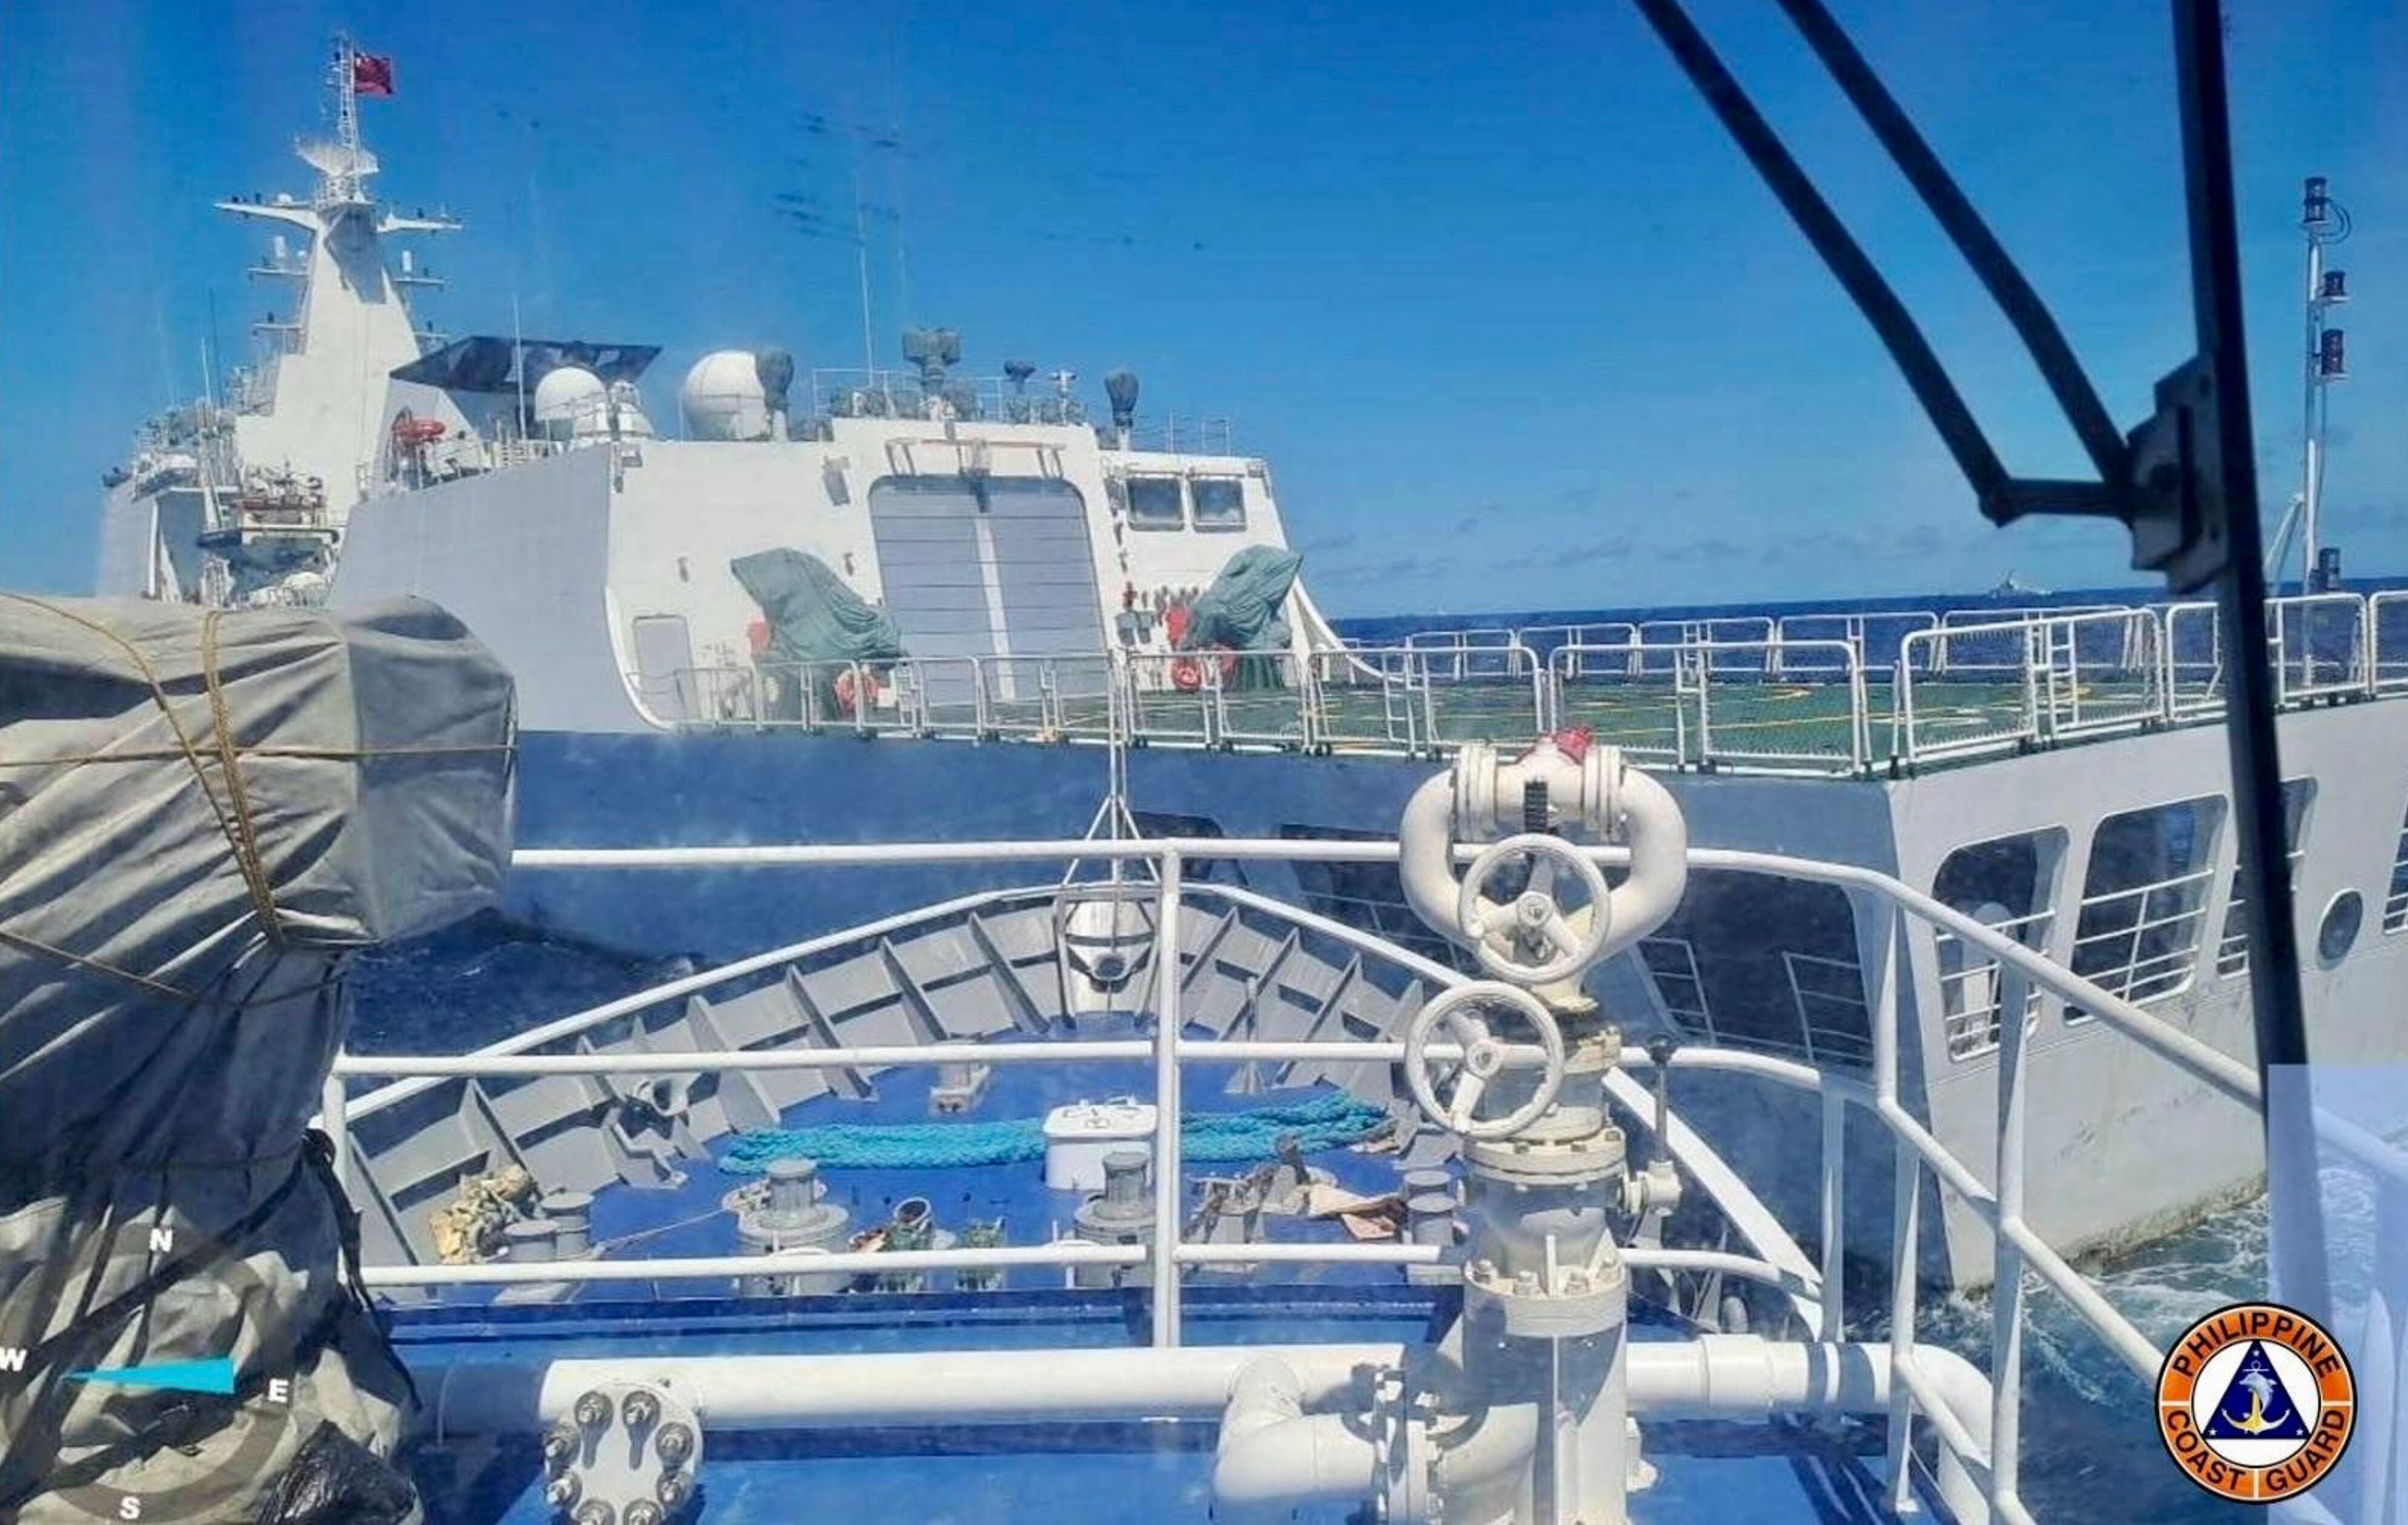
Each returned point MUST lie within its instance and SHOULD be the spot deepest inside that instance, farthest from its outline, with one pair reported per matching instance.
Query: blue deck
(1152, 1471)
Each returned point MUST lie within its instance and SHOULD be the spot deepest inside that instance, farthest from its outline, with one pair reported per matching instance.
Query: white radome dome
(565, 394)
(722, 398)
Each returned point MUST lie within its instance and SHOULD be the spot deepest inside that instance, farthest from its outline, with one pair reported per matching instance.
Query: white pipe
(959, 1386)
(1272, 1457)
(1713, 1377)
(695, 1267)
(1169, 1177)
(689, 1061)
(1748, 1376)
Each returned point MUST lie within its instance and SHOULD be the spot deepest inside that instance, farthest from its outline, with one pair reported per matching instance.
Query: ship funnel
(1121, 387)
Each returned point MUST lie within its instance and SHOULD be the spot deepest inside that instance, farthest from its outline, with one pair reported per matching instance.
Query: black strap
(318, 1151)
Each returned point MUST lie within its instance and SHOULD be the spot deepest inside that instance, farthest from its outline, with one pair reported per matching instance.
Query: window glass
(2006, 885)
(1220, 502)
(1153, 503)
(2143, 898)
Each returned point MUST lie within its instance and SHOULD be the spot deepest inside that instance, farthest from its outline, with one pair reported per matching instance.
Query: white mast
(2323, 220)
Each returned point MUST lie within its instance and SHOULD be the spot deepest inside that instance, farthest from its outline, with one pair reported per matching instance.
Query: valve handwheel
(1458, 1013)
(1511, 938)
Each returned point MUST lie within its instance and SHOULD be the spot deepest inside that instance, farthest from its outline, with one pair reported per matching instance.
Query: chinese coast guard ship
(831, 608)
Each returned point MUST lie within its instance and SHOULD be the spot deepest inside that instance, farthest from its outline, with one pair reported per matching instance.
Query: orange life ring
(1185, 675)
(845, 692)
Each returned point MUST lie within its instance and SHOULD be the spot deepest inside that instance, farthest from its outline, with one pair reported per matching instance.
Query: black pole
(2258, 815)
(1925, 376)
(2029, 315)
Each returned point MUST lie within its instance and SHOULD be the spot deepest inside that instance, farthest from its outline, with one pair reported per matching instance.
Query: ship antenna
(861, 261)
(342, 181)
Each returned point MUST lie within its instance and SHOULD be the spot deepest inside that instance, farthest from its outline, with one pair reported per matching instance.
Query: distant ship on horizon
(2010, 588)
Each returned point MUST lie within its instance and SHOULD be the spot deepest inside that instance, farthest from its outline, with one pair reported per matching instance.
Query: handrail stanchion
(1860, 739)
(1905, 1238)
(1420, 673)
(2006, 1255)
(2036, 663)
(333, 1100)
(1169, 1200)
(1705, 656)
(1520, 654)
(1835, 1230)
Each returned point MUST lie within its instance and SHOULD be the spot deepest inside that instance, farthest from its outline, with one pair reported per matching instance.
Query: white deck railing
(1776, 1259)
(1816, 693)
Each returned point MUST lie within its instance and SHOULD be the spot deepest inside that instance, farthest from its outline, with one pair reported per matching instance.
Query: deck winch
(789, 1219)
(1121, 1213)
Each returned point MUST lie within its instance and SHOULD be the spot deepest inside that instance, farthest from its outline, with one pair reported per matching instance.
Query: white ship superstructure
(243, 498)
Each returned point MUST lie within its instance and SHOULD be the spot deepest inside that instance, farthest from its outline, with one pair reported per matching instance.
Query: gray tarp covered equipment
(1243, 610)
(814, 616)
(199, 815)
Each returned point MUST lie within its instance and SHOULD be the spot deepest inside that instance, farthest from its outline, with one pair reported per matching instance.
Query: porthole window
(2338, 931)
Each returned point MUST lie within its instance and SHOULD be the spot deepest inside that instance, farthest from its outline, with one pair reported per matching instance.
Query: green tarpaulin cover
(814, 616)
(1242, 612)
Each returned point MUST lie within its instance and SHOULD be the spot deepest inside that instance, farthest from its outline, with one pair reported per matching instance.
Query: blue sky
(1513, 323)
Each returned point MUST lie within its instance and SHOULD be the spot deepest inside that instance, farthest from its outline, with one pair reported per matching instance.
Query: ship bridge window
(1220, 502)
(2145, 898)
(1797, 991)
(2008, 885)
(1157, 503)
(2394, 900)
(2232, 948)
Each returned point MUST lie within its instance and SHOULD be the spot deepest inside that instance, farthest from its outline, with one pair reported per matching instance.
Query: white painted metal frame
(2319, 645)
(2178, 902)
(1691, 1019)
(1573, 670)
(2074, 673)
(1822, 658)
(1617, 636)
(2394, 900)
(2386, 639)
(1972, 984)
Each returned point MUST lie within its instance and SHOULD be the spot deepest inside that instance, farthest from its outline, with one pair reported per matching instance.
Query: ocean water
(2091, 1451)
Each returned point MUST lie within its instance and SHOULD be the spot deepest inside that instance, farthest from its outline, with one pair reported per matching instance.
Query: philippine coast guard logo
(2256, 1402)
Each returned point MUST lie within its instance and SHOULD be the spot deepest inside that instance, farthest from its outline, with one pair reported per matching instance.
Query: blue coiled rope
(1328, 1121)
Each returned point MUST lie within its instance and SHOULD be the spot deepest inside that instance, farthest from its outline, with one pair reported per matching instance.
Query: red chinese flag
(371, 75)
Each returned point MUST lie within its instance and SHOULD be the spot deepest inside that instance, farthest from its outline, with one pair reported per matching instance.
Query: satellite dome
(566, 398)
(723, 397)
